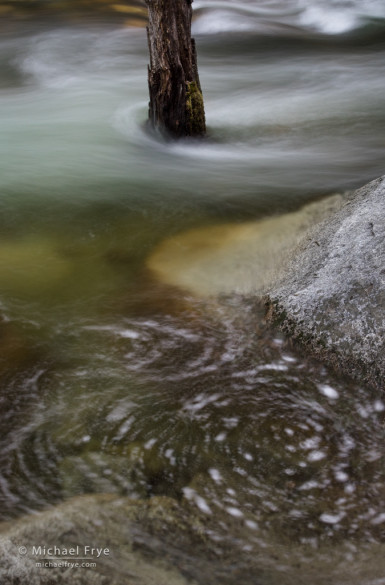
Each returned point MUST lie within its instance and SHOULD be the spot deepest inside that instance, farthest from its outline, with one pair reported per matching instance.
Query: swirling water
(114, 382)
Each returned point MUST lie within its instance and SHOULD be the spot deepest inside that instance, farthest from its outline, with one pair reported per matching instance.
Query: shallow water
(115, 382)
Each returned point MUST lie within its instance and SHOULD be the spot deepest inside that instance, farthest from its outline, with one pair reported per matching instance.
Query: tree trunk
(176, 102)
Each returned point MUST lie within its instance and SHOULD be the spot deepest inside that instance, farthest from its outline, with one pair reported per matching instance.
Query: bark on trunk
(176, 102)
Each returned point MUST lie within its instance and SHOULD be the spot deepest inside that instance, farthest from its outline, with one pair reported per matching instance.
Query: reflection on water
(114, 382)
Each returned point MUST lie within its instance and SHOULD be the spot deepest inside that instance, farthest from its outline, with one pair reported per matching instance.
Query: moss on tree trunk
(176, 101)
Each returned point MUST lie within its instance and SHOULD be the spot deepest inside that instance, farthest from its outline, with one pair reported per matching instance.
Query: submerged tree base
(176, 102)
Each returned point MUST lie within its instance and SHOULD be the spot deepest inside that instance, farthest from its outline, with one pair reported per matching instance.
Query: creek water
(112, 381)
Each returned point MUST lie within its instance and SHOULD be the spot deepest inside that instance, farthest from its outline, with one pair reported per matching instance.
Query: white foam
(310, 443)
(234, 512)
(316, 456)
(328, 391)
(327, 20)
(341, 476)
(332, 518)
(331, 17)
(215, 475)
(379, 406)
(220, 21)
(378, 519)
(191, 494)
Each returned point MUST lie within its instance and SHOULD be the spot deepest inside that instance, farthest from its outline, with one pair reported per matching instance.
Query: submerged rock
(234, 257)
(146, 542)
(332, 296)
(109, 540)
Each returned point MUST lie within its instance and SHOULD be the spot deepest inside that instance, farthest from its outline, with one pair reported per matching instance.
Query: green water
(112, 382)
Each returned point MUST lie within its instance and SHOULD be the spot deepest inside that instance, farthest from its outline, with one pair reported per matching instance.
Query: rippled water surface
(114, 382)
